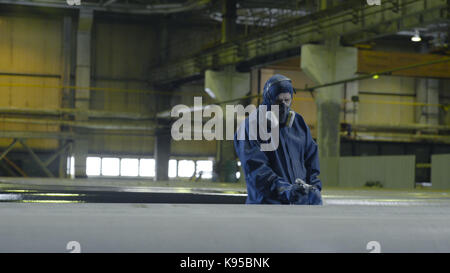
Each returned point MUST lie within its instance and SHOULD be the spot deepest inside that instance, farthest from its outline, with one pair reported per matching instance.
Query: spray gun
(306, 187)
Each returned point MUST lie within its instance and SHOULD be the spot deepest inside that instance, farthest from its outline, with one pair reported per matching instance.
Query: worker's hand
(303, 187)
(295, 192)
(314, 197)
(292, 192)
(313, 193)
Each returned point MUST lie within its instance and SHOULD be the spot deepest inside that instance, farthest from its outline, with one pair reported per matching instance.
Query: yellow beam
(372, 61)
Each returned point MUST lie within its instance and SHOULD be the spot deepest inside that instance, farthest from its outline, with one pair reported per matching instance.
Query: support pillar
(162, 154)
(67, 93)
(351, 91)
(326, 4)
(163, 41)
(324, 64)
(229, 16)
(82, 79)
(66, 64)
(427, 91)
(226, 85)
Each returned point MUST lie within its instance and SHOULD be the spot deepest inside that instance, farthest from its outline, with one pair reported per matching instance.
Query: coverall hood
(274, 86)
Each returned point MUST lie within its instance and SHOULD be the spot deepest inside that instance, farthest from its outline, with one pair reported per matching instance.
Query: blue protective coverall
(271, 175)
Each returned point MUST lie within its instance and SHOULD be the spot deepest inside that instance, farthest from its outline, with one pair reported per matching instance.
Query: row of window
(143, 167)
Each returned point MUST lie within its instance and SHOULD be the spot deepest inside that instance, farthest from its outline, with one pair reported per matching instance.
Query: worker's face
(284, 98)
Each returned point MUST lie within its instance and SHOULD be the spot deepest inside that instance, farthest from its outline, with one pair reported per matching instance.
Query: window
(186, 168)
(110, 166)
(143, 167)
(238, 174)
(93, 165)
(147, 167)
(172, 168)
(129, 167)
(71, 166)
(205, 166)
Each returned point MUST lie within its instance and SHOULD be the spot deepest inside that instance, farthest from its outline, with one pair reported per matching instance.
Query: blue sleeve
(312, 161)
(262, 181)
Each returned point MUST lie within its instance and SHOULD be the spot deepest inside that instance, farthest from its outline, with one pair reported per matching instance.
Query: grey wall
(440, 171)
(393, 172)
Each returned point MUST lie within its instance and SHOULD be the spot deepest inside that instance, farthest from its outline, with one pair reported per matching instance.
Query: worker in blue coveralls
(289, 173)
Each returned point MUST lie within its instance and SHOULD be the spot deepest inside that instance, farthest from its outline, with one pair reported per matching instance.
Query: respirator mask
(279, 85)
(285, 117)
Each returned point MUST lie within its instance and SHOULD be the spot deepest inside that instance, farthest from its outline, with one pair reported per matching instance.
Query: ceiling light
(210, 93)
(416, 37)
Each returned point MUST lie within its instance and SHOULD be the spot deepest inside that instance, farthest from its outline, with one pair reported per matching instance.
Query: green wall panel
(393, 172)
(440, 171)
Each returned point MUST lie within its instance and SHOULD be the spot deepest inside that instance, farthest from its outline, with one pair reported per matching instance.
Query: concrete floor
(349, 221)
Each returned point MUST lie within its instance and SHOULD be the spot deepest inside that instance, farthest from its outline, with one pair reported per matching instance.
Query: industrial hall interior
(126, 125)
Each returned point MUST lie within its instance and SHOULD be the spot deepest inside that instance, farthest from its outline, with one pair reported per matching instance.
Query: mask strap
(272, 83)
(290, 119)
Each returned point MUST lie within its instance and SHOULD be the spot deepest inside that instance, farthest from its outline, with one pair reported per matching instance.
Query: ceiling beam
(109, 2)
(357, 22)
(116, 7)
